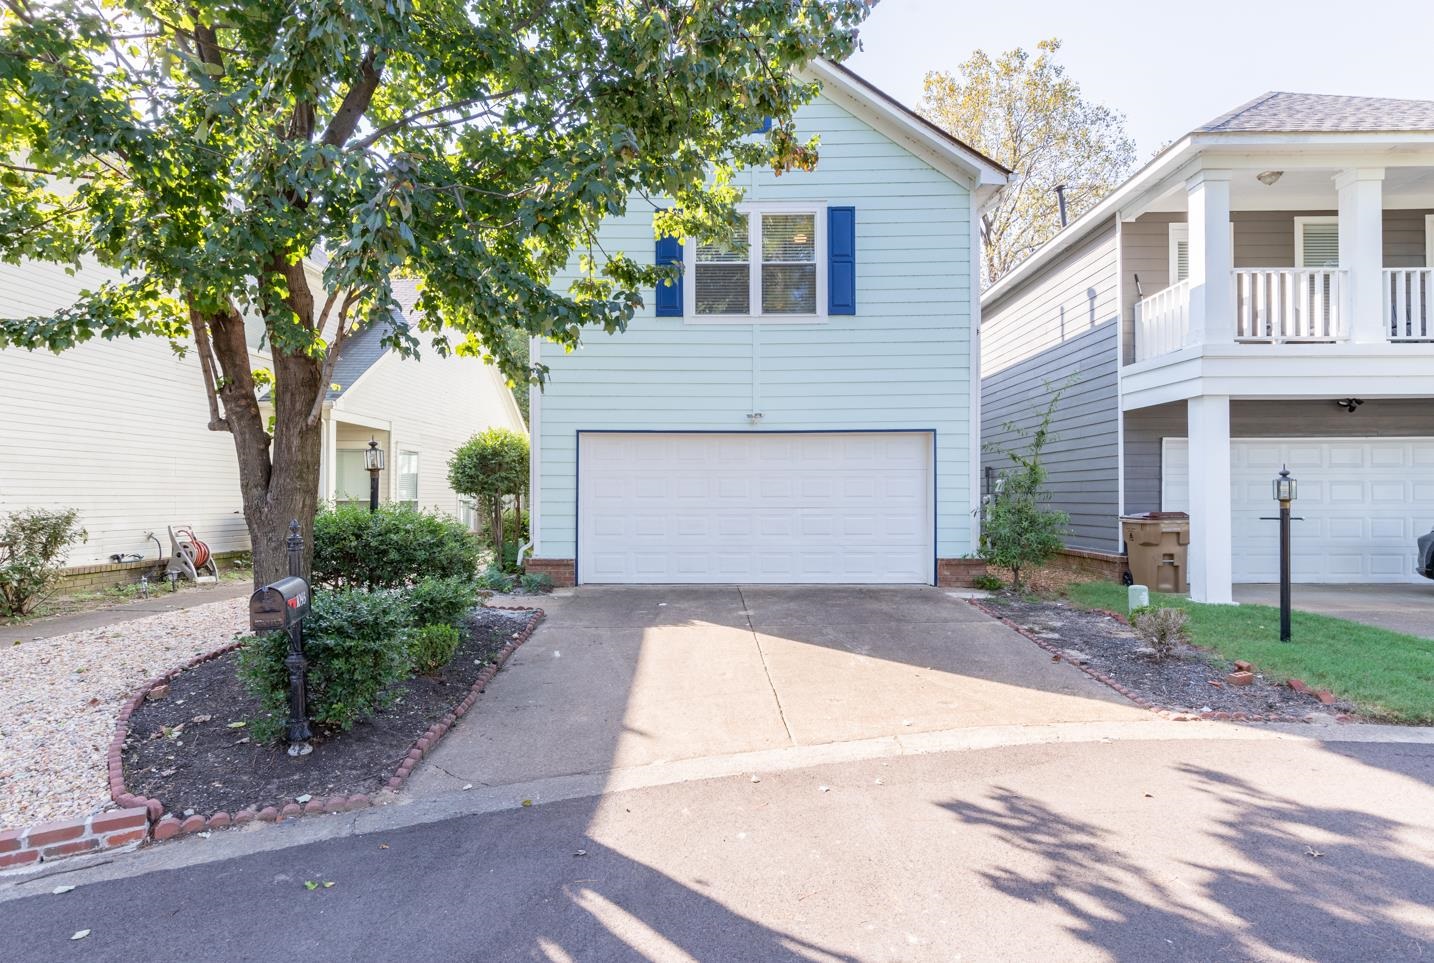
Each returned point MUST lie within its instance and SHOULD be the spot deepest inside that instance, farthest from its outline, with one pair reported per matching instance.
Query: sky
(1168, 67)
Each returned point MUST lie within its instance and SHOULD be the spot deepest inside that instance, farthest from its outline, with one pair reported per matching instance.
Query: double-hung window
(772, 267)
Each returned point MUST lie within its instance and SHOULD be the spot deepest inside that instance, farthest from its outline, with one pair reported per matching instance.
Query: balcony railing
(1277, 305)
(1162, 321)
(1408, 313)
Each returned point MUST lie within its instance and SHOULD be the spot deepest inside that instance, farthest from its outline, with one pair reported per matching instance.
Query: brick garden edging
(1165, 712)
(139, 818)
(168, 826)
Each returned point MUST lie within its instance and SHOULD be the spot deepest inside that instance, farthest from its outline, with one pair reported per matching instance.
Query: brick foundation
(113, 829)
(563, 571)
(1109, 566)
(95, 578)
(959, 572)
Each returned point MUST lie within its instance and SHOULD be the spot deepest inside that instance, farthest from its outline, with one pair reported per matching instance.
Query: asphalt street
(1141, 850)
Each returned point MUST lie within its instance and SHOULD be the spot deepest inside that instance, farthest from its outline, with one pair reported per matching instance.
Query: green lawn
(1387, 674)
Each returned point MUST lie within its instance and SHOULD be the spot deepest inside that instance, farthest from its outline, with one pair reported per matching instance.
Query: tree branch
(355, 102)
(331, 359)
(206, 366)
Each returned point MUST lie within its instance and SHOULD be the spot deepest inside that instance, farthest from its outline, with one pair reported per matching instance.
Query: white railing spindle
(1408, 313)
(1162, 321)
(1289, 304)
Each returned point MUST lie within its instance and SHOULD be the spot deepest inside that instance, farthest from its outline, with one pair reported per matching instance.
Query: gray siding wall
(1262, 239)
(1144, 429)
(1057, 331)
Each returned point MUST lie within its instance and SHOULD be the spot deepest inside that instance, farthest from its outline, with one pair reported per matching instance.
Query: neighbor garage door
(1362, 501)
(760, 507)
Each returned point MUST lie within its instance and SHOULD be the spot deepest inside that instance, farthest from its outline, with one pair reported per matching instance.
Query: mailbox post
(282, 606)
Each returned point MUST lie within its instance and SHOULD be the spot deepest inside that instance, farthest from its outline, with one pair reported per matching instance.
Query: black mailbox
(279, 605)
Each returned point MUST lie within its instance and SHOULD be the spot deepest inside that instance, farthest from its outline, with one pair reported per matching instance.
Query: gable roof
(1281, 111)
(906, 127)
(363, 348)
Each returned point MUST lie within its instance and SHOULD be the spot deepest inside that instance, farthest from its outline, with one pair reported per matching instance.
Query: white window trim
(399, 474)
(1300, 223)
(1179, 231)
(1429, 240)
(754, 210)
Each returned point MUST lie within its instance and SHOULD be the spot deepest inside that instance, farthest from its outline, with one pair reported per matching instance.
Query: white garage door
(1363, 501)
(828, 507)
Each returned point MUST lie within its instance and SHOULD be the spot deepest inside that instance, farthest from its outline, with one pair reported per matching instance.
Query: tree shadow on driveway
(1258, 876)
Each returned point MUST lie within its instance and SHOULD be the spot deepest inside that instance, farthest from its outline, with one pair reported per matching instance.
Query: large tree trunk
(278, 477)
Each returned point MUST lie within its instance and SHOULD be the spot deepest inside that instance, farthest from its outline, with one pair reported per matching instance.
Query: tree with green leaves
(209, 149)
(1017, 529)
(492, 468)
(1024, 111)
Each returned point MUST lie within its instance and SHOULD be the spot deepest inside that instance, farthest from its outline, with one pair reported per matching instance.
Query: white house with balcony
(1259, 295)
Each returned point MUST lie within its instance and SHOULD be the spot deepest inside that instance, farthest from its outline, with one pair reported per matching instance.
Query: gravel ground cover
(191, 751)
(1191, 680)
(59, 697)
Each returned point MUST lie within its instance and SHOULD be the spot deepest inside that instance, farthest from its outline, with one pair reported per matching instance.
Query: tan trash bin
(1156, 546)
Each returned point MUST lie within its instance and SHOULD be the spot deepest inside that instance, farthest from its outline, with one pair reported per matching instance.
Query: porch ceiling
(1307, 189)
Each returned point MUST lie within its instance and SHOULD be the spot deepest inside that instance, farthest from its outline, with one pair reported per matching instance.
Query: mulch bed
(1190, 681)
(201, 765)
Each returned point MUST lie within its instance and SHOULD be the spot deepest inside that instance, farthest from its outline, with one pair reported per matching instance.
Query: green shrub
(432, 646)
(492, 468)
(494, 579)
(357, 644)
(535, 583)
(442, 601)
(1017, 530)
(32, 548)
(393, 547)
(988, 582)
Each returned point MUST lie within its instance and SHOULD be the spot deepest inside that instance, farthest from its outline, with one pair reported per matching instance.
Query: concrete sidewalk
(626, 677)
(163, 600)
(1404, 607)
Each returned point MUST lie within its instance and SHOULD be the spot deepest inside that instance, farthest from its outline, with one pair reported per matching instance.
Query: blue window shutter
(841, 260)
(766, 126)
(669, 296)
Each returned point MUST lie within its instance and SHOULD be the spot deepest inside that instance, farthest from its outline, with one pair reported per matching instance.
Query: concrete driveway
(1403, 607)
(622, 677)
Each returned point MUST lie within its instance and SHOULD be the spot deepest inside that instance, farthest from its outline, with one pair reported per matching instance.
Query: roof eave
(948, 154)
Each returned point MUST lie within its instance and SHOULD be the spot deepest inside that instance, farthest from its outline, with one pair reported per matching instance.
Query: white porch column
(1361, 250)
(328, 460)
(1211, 566)
(1212, 258)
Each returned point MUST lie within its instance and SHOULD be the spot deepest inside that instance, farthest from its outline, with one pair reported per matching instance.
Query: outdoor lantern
(373, 461)
(1286, 488)
(373, 457)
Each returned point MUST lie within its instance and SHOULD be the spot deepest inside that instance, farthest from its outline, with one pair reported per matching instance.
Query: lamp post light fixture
(1286, 490)
(373, 461)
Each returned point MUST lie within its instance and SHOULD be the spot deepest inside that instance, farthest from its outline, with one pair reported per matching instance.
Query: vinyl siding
(1058, 331)
(901, 362)
(433, 405)
(1146, 427)
(116, 429)
(1262, 239)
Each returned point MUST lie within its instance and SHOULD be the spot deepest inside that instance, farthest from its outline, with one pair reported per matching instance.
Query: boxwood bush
(393, 547)
(357, 644)
(433, 646)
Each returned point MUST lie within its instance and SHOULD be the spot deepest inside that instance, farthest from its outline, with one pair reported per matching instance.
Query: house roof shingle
(362, 349)
(1282, 111)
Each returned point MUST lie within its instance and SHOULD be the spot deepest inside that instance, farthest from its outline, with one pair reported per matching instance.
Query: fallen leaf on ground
(310, 885)
(383, 845)
(238, 725)
(80, 934)
(581, 852)
(328, 884)
(527, 802)
(1311, 851)
(61, 889)
(302, 799)
(199, 719)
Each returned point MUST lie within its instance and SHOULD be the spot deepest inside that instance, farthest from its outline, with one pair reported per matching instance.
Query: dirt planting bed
(1190, 681)
(188, 750)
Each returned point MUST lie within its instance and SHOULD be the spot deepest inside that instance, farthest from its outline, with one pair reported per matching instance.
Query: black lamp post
(1286, 489)
(373, 461)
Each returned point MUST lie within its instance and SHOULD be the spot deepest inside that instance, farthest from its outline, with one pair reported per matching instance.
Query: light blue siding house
(803, 407)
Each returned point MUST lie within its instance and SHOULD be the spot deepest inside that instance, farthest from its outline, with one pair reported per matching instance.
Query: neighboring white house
(1261, 294)
(803, 407)
(117, 429)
